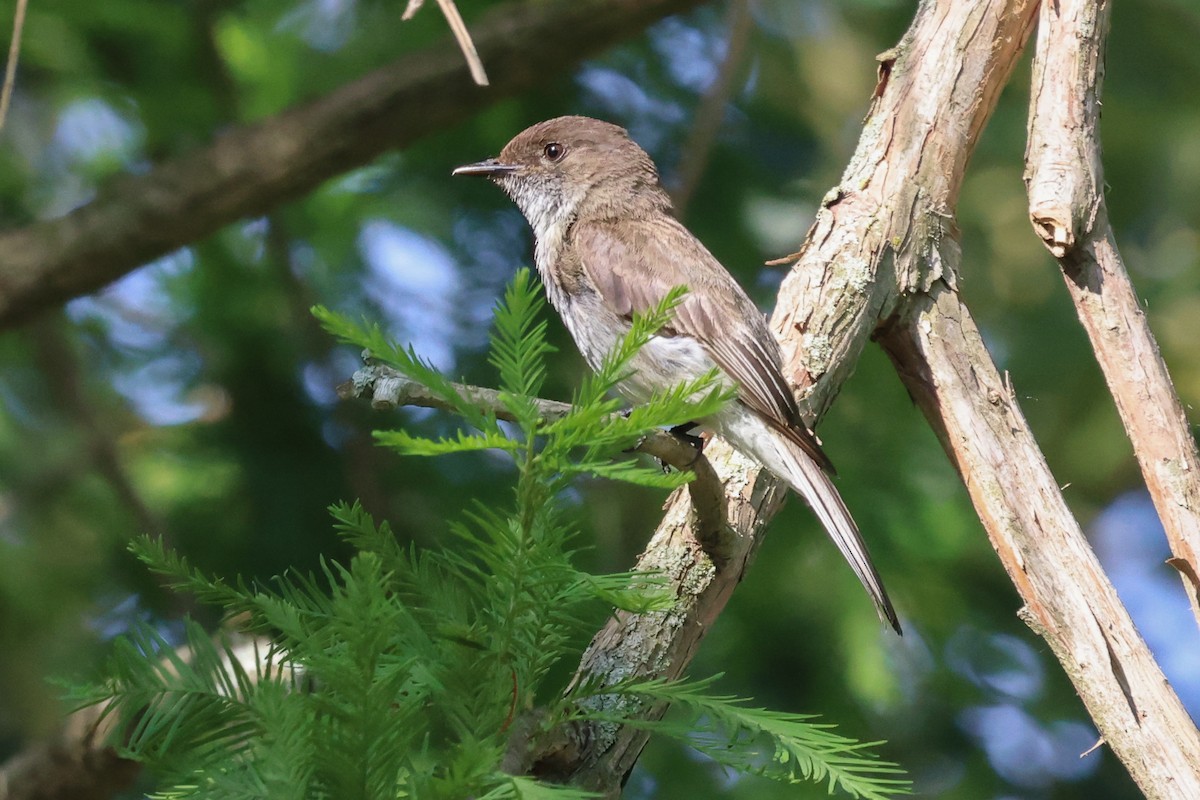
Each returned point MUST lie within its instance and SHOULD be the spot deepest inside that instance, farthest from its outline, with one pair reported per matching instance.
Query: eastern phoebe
(607, 246)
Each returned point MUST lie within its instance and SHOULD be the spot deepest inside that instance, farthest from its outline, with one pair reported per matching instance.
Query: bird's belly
(663, 362)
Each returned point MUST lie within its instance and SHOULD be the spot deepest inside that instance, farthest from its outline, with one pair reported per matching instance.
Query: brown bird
(608, 246)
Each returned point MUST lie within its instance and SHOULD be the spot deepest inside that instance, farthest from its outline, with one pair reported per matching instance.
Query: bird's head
(567, 166)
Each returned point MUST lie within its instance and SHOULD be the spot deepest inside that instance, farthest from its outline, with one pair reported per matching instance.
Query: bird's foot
(684, 432)
(695, 442)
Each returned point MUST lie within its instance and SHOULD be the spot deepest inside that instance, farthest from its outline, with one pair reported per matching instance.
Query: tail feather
(789, 462)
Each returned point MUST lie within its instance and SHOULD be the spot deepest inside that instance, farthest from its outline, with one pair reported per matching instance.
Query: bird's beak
(490, 168)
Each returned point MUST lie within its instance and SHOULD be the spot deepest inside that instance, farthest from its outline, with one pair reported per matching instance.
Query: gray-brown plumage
(608, 246)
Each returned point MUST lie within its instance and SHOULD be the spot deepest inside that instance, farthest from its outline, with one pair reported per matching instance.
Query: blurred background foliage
(194, 398)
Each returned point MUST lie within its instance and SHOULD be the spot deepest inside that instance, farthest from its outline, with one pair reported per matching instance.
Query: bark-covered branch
(880, 260)
(386, 388)
(1069, 601)
(876, 239)
(1065, 178)
(249, 170)
(884, 247)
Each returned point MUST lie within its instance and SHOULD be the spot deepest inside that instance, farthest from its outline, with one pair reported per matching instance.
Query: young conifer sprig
(405, 672)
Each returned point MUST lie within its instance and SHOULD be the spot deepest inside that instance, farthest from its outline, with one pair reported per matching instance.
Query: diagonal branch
(884, 247)
(463, 37)
(1068, 599)
(1065, 179)
(710, 113)
(251, 169)
(891, 223)
(869, 246)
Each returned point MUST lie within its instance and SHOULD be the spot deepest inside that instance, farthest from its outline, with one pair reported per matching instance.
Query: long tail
(788, 460)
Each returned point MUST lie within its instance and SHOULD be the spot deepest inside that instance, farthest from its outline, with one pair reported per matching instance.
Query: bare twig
(411, 9)
(463, 37)
(901, 182)
(1065, 179)
(461, 34)
(386, 388)
(10, 66)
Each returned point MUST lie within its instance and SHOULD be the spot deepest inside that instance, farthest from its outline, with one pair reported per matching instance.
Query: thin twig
(411, 9)
(711, 112)
(386, 388)
(461, 34)
(463, 37)
(10, 67)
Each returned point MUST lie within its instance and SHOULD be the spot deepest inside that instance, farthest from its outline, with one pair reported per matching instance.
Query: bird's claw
(681, 431)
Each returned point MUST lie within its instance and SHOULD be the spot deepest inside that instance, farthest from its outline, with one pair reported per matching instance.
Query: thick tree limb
(884, 248)
(73, 765)
(1065, 179)
(884, 245)
(663, 643)
(386, 388)
(891, 223)
(251, 169)
(873, 241)
(78, 763)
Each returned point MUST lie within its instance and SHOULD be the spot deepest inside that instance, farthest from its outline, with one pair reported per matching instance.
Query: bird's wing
(633, 271)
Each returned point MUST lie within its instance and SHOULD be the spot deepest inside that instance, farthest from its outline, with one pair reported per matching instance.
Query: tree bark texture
(1069, 601)
(880, 237)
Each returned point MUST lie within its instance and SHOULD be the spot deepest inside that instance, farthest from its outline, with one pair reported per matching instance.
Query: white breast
(663, 362)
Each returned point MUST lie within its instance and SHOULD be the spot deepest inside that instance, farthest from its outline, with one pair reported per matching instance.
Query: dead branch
(463, 37)
(881, 259)
(250, 169)
(884, 246)
(710, 114)
(1065, 179)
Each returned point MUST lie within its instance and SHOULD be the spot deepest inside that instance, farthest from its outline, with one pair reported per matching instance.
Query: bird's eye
(554, 151)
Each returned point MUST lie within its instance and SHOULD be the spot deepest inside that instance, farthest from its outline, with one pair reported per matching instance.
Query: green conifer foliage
(402, 672)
